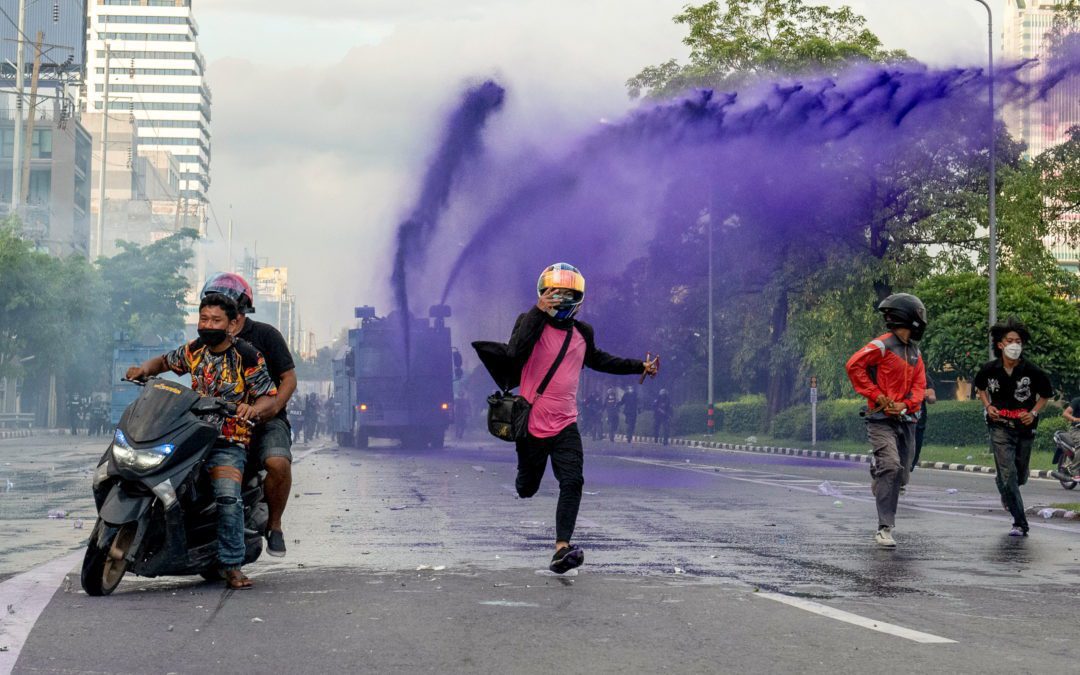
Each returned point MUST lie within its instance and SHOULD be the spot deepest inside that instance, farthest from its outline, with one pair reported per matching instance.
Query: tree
(957, 338)
(146, 285)
(760, 37)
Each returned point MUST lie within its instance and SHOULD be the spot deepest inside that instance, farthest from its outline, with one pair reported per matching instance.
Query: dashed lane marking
(856, 620)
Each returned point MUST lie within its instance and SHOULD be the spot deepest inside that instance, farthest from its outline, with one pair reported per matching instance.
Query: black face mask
(212, 337)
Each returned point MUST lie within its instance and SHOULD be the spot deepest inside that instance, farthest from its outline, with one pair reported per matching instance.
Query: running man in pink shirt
(538, 338)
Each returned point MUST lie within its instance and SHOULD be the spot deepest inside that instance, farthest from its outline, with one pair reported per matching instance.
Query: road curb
(823, 454)
(15, 433)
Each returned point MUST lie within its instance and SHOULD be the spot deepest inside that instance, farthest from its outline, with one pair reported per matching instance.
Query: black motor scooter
(156, 509)
(1067, 457)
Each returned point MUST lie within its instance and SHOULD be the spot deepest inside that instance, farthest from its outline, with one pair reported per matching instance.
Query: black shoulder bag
(508, 414)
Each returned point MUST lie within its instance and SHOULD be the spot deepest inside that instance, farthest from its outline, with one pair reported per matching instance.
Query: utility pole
(993, 167)
(28, 143)
(99, 244)
(229, 260)
(711, 422)
(20, 83)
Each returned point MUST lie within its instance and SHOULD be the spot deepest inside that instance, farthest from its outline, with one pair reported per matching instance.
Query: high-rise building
(157, 76)
(1041, 126)
(1026, 28)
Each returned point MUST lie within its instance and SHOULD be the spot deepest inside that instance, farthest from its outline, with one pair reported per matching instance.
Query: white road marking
(856, 620)
(30, 592)
(22, 599)
(723, 472)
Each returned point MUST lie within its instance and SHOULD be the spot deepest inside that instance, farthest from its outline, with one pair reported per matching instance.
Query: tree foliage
(957, 339)
(58, 316)
(740, 38)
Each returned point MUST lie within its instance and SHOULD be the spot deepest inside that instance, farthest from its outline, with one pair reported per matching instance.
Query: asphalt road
(696, 561)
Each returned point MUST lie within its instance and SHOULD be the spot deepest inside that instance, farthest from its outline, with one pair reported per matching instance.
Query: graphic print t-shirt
(227, 375)
(1017, 391)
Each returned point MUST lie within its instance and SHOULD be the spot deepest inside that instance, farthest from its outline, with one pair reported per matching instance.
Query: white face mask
(1012, 350)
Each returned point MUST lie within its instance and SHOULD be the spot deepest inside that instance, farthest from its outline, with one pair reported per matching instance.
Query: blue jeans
(230, 506)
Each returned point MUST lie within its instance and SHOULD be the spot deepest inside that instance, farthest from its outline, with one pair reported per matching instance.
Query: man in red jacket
(889, 372)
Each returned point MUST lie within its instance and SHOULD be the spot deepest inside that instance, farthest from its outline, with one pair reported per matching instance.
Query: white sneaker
(884, 538)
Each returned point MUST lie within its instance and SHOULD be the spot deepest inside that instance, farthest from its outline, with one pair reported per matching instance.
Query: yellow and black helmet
(569, 284)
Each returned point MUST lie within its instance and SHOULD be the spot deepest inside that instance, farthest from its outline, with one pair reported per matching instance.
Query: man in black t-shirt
(1013, 391)
(272, 442)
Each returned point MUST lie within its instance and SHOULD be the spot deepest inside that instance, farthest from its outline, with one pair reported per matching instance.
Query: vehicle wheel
(362, 440)
(344, 439)
(1068, 484)
(438, 439)
(104, 567)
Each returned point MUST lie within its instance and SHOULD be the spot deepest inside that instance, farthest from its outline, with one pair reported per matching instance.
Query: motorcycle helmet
(903, 310)
(569, 283)
(232, 286)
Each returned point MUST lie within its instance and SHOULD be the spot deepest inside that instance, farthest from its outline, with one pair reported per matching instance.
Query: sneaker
(884, 538)
(1018, 531)
(275, 543)
(566, 559)
(903, 490)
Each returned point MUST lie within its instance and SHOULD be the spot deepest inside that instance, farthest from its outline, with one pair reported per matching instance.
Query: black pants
(631, 425)
(1012, 456)
(662, 429)
(567, 463)
(920, 432)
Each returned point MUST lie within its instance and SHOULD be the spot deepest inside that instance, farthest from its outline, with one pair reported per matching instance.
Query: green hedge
(953, 423)
(744, 416)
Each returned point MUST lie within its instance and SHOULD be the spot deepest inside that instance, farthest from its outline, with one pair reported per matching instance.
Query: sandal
(237, 580)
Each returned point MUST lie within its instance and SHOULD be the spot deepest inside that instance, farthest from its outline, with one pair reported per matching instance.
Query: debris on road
(479, 469)
(951, 491)
(1046, 513)
(827, 489)
(57, 514)
(838, 503)
(257, 620)
(78, 524)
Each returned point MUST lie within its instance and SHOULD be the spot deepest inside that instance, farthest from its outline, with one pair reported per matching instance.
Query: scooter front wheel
(104, 566)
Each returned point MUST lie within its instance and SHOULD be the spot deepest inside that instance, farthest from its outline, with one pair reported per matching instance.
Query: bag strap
(558, 361)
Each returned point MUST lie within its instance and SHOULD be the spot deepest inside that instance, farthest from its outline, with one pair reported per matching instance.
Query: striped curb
(1058, 513)
(15, 433)
(823, 454)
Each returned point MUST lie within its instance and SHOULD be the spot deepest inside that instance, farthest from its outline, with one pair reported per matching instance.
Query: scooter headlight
(139, 459)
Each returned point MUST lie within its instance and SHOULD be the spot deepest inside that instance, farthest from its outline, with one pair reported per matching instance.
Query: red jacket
(889, 366)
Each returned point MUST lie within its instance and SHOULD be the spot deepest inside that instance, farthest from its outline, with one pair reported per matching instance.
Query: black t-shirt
(1017, 391)
(275, 350)
(1075, 405)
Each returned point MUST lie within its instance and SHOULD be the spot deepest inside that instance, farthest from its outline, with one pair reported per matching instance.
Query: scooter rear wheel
(104, 566)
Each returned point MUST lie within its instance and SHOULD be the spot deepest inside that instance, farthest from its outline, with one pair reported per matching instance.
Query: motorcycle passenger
(272, 444)
(231, 369)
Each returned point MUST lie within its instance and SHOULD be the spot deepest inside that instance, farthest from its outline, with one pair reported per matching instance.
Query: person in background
(1013, 392)
(662, 412)
(920, 426)
(630, 410)
(889, 373)
(611, 412)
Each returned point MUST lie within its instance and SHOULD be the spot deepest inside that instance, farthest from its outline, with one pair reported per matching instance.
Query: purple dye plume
(460, 142)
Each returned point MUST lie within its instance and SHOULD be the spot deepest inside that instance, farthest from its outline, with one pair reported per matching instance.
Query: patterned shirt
(238, 375)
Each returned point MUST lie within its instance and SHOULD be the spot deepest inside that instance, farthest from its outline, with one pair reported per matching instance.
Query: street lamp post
(993, 168)
(711, 420)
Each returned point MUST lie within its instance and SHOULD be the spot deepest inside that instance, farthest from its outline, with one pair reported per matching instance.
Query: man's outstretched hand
(652, 366)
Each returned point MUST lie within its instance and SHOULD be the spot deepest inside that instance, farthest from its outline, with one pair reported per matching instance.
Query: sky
(325, 112)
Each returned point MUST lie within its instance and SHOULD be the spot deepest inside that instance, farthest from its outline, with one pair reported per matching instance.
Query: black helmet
(903, 310)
